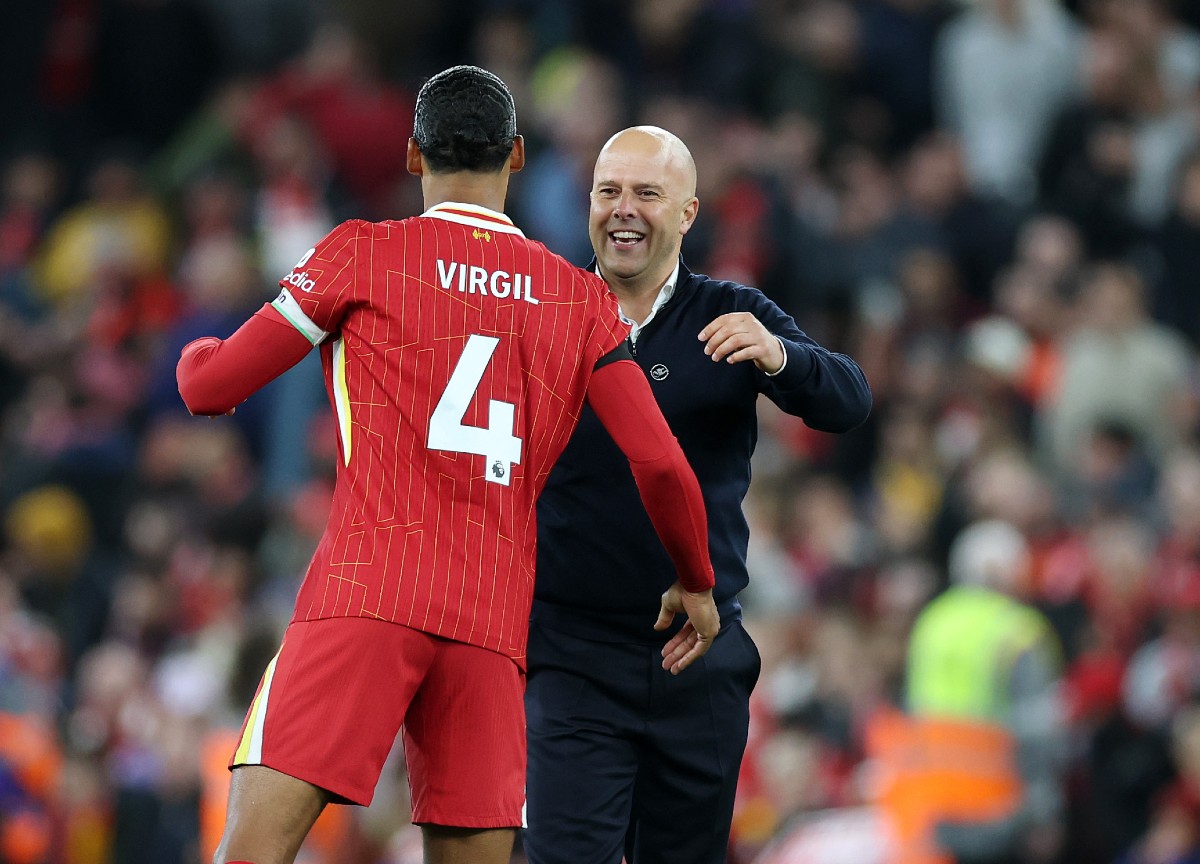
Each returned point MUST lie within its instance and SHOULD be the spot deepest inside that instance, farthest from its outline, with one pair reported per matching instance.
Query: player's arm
(216, 375)
(621, 397)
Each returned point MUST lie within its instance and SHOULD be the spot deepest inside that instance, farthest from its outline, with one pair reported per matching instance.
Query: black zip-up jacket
(601, 569)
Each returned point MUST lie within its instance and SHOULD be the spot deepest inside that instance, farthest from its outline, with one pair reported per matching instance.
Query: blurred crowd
(994, 206)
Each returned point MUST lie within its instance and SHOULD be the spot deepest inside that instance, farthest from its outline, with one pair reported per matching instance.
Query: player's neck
(482, 190)
(636, 296)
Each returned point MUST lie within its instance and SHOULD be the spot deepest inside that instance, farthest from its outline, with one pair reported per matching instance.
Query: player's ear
(688, 217)
(517, 160)
(413, 159)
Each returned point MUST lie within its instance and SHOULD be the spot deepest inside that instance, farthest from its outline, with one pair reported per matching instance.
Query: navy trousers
(627, 759)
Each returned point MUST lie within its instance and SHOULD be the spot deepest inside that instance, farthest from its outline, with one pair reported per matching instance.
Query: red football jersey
(457, 355)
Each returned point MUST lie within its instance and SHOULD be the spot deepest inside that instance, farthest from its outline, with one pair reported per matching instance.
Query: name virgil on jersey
(478, 280)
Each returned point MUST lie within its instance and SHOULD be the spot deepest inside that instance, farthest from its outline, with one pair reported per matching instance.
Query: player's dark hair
(466, 120)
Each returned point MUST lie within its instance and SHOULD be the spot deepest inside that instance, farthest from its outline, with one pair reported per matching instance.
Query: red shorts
(332, 701)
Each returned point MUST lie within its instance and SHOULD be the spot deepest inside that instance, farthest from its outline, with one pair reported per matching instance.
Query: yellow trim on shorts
(249, 750)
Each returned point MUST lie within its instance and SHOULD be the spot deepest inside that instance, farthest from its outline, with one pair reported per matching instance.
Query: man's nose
(626, 205)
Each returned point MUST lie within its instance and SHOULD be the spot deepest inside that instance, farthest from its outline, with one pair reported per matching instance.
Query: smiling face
(643, 201)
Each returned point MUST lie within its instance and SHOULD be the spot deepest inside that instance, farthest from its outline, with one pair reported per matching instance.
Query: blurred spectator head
(50, 526)
(115, 178)
(868, 191)
(930, 283)
(576, 101)
(288, 151)
(824, 32)
(220, 275)
(1114, 468)
(1027, 297)
(1108, 61)
(796, 145)
(505, 43)
(110, 680)
(334, 53)
(141, 612)
(822, 526)
(1052, 247)
(213, 203)
(1143, 22)
(934, 174)
(990, 554)
(926, 373)
(1112, 151)
(1005, 485)
(790, 766)
(664, 24)
(902, 589)
(1179, 492)
(32, 180)
(1121, 551)
(1112, 298)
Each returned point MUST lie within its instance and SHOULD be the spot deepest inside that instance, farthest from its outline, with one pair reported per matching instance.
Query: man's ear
(413, 159)
(689, 215)
(517, 160)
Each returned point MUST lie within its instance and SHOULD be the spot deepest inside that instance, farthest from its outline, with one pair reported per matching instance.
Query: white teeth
(626, 235)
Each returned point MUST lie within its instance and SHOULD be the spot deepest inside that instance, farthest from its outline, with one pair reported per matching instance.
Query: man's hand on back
(698, 633)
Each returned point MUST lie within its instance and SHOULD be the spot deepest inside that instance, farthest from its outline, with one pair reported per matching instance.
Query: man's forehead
(635, 144)
(646, 156)
(647, 167)
(635, 171)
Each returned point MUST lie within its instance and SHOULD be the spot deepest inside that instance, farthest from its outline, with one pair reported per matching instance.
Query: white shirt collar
(664, 294)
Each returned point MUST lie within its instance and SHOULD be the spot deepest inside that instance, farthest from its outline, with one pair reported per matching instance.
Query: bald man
(624, 760)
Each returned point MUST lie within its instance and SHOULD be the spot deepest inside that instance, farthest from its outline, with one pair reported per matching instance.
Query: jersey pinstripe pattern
(443, 540)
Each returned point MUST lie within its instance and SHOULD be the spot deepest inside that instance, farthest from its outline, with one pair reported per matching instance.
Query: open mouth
(626, 239)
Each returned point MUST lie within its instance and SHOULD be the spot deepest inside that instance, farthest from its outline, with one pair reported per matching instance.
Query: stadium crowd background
(1001, 223)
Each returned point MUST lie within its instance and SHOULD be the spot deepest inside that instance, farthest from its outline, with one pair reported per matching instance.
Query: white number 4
(447, 431)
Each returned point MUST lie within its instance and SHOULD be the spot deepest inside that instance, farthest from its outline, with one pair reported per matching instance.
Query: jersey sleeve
(611, 327)
(215, 375)
(621, 397)
(316, 295)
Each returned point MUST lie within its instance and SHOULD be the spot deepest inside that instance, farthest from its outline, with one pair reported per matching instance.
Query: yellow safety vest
(962, 651)
(951, 756)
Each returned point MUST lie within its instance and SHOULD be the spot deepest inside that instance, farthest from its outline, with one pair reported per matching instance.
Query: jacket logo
(482, 235)
(658, 372)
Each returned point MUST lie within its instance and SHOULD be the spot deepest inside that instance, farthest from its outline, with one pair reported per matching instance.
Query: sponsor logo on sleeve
(301, 281)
